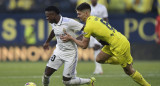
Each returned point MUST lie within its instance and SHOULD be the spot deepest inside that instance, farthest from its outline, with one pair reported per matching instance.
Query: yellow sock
(112, 60)
(137, 77)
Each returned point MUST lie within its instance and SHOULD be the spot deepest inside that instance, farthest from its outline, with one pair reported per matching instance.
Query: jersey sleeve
(105, 13)
(75, 25)
(87, 32)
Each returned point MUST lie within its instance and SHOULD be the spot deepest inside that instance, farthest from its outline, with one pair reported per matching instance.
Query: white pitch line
(60, 76)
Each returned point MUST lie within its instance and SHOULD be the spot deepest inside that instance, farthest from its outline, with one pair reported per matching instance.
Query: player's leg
(46, 77)
(126, 61)
(135, 75)
(98, 67)
(53, 64)
(112, 60)
(102, 57)
(106, 56)
(69, 76)
(69, 73)
(78, 81)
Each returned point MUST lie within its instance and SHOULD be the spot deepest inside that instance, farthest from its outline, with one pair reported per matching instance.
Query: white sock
(98, 67)
(77, 81)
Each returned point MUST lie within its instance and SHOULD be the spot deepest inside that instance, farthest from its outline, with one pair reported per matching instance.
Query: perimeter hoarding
(138, 28)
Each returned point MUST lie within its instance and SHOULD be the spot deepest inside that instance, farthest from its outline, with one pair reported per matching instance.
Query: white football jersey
(70, 25)
(93, 41)
(99, 11)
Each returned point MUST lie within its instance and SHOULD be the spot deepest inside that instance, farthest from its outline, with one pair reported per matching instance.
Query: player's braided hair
(83, 6)
(52, 8)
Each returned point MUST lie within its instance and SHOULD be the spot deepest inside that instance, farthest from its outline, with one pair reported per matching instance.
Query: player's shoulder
(68, 20)
(92, 18)
(52, 24)
(89, 21)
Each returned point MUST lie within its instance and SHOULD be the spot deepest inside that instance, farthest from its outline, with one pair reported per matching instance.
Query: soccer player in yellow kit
(116, 47)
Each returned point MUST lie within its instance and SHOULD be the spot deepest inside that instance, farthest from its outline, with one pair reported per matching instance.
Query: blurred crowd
(121, 6)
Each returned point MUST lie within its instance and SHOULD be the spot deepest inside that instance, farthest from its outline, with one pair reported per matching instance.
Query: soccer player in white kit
(65, 52)
(99, 11)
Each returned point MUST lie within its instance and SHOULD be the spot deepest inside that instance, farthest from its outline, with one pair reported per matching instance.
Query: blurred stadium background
(24, 29)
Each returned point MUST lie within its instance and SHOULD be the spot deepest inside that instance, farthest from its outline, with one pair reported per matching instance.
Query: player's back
(101, 30)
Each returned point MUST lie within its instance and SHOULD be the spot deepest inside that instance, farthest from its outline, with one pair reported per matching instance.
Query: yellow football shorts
(121, 52)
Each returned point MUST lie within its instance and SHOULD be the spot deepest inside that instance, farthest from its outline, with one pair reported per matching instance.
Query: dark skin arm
(46, 44)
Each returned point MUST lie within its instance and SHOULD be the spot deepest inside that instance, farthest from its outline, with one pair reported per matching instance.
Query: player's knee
(49, 71)
(129, 72)
(100, 60)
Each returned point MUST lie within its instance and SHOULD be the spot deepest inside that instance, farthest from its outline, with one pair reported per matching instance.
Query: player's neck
(86, 18)
(58, 18)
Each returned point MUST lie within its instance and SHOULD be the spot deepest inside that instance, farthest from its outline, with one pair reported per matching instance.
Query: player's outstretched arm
(82, 43)
(46, 44)
(80, 37)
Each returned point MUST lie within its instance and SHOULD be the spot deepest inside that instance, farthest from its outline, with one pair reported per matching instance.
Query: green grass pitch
(19, 73)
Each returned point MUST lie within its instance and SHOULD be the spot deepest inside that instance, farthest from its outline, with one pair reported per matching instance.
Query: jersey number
(109, 26)
(53, 57)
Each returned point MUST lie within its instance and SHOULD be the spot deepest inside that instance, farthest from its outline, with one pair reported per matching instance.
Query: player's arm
(51, 36)
(46, 44)
(80, 37)
(82, 43)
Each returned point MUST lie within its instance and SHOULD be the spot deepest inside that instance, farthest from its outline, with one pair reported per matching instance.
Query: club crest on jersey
(64, 30)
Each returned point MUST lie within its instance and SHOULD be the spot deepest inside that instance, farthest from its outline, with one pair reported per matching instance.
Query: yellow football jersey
(101, 30)
(115, 44)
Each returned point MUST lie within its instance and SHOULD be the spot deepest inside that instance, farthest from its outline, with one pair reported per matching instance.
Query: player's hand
(46, 46)
(66, 37)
